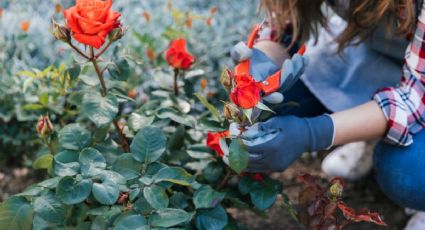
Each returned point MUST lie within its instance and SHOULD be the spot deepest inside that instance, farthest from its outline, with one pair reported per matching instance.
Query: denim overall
(335, 82)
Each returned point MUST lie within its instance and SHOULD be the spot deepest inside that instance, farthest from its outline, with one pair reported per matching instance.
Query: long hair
(362, 16)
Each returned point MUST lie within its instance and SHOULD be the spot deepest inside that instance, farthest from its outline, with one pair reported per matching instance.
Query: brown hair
(363, 17)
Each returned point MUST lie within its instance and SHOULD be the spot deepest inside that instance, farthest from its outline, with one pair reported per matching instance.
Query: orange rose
(246, 94)
(91, 21)
(213, 141)
(177, 55)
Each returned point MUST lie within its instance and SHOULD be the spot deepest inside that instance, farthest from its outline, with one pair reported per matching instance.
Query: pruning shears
(273, 82)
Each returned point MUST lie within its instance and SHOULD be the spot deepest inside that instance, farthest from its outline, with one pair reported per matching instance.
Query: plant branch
(78, 50)
(225, 180)
(176, 77)
(123, 140)
(103, 50)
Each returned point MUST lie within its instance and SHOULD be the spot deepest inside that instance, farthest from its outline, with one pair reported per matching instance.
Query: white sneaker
(417, 222)
(351, 161)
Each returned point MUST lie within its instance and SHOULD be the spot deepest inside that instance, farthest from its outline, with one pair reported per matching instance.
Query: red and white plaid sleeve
(404, 106)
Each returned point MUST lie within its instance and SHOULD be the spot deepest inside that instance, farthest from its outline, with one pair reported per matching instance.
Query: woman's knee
(400, 172)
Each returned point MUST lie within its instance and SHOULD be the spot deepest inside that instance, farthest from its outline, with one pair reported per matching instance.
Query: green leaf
(43, 162)
(264, 107)
(16, 213)
(263, 194)
(100, 110)
(106, 193)
(167, 113)
(66, 163)
(50, 183)
(238, 156)
(156, 196)
(248, 114)
(137, 121)
(212, 172)
(49, 208)
(206, 197)
(174, 175)
(120, 70)
(33, 190)
(91, 161)
(142, 206)
(245, 185)
(132, 222)
(211, 219)
(209, 106)
(149, 144)
(70, 191)
(73, 72)
(32, 107)
(127, 166)
(179, 200)
(27, 74)
(170, 217)
(74, 137)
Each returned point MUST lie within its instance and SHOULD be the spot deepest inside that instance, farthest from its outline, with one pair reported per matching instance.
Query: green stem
(123, 140)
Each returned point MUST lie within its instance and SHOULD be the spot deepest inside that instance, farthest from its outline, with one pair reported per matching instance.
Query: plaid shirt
(404, 106)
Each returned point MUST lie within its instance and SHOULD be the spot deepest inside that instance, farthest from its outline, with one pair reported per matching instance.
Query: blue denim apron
(344, 81)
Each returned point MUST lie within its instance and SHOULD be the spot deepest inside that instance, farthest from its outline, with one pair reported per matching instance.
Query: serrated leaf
(106, 193)
(211, 219)
(74, 137)
(149, 144)
(49, 207)
(100, 110)
(66, 163)
(70, 191)
(132, 222)
(127, 166)
(174, 175)
(213, 110)
(16, 213)
(169, 217)
(156, 196)
(120, 70)
(206, 197)
(238, 156)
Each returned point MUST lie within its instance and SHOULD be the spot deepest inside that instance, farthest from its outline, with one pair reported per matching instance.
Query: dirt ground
(362, 194)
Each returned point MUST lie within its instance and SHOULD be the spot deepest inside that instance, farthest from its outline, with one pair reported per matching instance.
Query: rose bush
(121, 156)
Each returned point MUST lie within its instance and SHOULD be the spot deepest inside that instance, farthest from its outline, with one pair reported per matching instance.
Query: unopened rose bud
(226, 79)
(337, 187)
(116, 34)
(231, 112)
(61, 32)
(44, 126)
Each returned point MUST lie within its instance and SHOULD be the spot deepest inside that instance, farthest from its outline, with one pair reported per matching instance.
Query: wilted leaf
(174, 175)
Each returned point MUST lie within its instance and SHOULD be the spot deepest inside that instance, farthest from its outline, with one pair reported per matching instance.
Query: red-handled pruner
(272, 83)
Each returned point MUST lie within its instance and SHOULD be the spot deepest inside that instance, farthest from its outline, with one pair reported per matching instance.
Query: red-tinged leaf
(362, 216)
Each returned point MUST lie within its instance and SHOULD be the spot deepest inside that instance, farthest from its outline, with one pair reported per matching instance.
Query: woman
(354, 73)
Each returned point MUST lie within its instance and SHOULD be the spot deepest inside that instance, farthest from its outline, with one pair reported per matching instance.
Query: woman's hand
(277, 143)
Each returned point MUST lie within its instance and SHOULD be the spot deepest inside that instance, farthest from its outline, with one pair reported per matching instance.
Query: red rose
(177, 55)
(213, 141)
(246, 94)
(91, 21)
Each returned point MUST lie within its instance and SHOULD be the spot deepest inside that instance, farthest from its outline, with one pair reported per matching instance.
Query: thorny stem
(176, 86)
(78, 50)
(123, 140)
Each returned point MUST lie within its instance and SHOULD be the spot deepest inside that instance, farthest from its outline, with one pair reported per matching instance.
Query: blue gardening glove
(276, 144)
(262, 67)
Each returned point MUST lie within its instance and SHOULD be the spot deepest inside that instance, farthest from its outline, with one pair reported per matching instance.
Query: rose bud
(226, 79)
(44, 126)
(116, 34)
(61, 32)
(337, 187)
(231, 112)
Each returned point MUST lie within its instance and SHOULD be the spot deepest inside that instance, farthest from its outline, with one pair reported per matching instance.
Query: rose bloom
(91, 21)
(213, 141)
(246, 94)
(177, 55)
